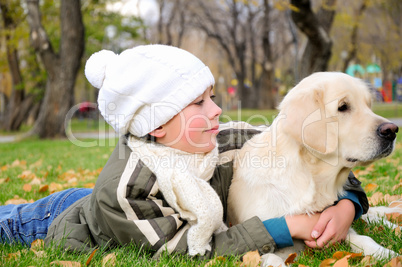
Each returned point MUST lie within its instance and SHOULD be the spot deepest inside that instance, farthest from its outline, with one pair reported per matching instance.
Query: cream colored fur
(299, 164)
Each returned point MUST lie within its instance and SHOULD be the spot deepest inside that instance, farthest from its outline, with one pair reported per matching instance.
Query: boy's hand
(333, 224)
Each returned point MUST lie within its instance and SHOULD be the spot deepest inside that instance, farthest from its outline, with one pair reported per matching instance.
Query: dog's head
(330, 114)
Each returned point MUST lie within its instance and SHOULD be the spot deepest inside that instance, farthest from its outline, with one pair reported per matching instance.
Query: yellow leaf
(65, 263)
(4, 180)
(376, 198)
(43, 188)
(367, 260)
(342, 262)
(4, 168)
(110, 260)
(13, 256)
(395, 262)
(16, 201)
(327, 262)
(290, 259)
(396, 203)
(251, 259)
(89, 185)
(339, 255)
(27, 187)
(55, 187)
(90, 257)
(370, 187)
(38, 244)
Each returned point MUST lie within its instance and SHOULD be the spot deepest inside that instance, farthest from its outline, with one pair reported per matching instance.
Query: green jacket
(101, 219)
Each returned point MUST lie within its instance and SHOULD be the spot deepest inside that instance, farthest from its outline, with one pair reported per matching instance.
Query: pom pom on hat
(144, 87)
(96, 66)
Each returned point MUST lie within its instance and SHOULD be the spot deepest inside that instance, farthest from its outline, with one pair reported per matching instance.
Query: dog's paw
(271, 259)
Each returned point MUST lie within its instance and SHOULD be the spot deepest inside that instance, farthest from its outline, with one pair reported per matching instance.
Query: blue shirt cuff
(279, 231)
(355, 199)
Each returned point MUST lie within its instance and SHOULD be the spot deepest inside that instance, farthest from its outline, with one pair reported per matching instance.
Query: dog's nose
(387, 131)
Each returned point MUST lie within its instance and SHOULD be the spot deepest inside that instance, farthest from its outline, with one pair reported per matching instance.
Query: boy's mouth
(214, 130)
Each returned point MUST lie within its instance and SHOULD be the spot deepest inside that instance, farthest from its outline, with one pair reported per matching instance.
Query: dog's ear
(307, 121)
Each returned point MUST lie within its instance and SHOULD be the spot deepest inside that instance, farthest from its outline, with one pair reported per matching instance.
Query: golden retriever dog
(300, 163)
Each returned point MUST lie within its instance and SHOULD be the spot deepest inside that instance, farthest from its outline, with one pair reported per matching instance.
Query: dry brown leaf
(376, 198)
(110, 260)
(44, 188)
(4, 168)
(395, 216)
(397, 186)
(13, 256)
(290, 259)
(251, 259)
(4, 180)
(27, 187)
(395, 262)
(36, 164)
(39, 254)
(327, 262)
(339, 255)
(17, 163)
(55, 187)
(35, 181)
(397, 231)
(16, 201)
(396, 203)
(370, 187)
(212, 262)
(342, 262)
(368, 260)
(89, 185)
(90, 257)
(65, 263)
(38, 244)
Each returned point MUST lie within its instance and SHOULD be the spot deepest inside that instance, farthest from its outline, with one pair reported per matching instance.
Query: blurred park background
(256, 49)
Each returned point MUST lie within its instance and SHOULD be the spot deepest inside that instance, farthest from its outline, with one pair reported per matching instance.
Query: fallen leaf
(397, 231)
(370, 187)
(39, 254)
(35, 181)
(397, 186)
(26, 175)
(395, 262)
(4, 180)
(367, 260)
(43, 188)
(27, 187)
(16, 201)
(38, 244)
(13, 256)
(327, 262)
(89, 185)
(90, 257)
(66, 263)
(376, 198)
(339, 255)
(110, 260)
(36, 164)
(251, 259)
(342, 262)
(216, 260)
(290, 259)
(55, 187)
(4, 168)
(396, 203)
(395, 216)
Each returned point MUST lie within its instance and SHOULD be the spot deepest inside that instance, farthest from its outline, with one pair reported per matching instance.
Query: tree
(61, 67)
(316, 27)
(242, 31)
(21, 100)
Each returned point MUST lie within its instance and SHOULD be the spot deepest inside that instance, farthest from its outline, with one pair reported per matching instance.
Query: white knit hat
(145, 86)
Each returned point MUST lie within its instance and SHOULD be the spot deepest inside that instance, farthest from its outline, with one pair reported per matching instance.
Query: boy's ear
(158, 132)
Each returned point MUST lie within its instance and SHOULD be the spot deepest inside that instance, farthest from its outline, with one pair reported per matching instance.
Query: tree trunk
(15, 114)
(61, 68)
(318, 49)
(266, 95)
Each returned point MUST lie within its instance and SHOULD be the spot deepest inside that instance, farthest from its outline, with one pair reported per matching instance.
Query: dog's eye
(343, 107)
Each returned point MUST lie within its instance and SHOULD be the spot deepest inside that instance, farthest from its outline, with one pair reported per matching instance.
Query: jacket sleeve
(353, 185)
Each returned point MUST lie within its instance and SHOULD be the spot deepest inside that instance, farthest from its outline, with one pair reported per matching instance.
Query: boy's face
(194, 129)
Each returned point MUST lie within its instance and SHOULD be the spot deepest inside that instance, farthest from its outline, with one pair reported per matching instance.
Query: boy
(163, 187)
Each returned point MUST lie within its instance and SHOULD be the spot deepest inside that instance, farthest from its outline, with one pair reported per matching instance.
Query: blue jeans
(26, 222)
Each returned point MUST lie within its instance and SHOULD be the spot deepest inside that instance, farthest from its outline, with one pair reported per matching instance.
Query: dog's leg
(378, 214)
(365, 244)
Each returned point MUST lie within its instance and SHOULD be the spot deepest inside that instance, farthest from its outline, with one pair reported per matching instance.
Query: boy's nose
(216, 111)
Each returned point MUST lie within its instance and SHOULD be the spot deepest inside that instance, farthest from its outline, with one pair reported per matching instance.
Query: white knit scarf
(183, 180)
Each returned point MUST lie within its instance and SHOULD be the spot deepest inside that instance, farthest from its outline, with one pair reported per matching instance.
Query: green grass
(59, 161)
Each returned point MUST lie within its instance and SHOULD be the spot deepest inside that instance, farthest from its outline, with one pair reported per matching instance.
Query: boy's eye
(212, 97)
(199, 102)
